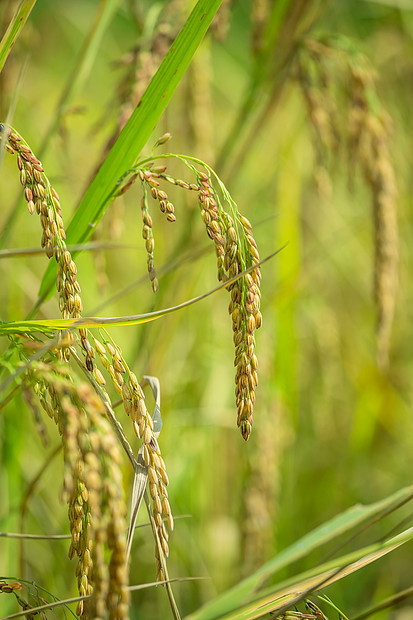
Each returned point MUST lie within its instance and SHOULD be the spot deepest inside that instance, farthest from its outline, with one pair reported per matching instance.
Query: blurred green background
(331, 428)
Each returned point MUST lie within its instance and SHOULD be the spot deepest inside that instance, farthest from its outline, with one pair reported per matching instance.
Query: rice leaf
(240, 593)
(276, 598)
(14, 29)
(136, 131)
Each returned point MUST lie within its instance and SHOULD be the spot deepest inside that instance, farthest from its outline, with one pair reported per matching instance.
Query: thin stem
(162, 559)
(128, 449)
(26, 498)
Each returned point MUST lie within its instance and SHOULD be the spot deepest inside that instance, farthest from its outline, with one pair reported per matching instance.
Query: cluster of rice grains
(150, 178)
(236, 251)
(313, 612)
(313, 73)
(42, 198)
(133, 399)
(92, 482)
(323, 70)
(92, 487)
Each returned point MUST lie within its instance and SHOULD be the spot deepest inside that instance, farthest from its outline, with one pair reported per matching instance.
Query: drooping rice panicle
(43, 199)
(237, 251)
(92, 487)
(367, 131)
(134, 404)
(369, 138)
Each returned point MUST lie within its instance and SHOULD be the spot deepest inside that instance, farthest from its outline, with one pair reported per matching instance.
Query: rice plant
(189, 161)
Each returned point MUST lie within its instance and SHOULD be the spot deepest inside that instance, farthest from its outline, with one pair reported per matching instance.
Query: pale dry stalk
(260, 14)
(369, 137)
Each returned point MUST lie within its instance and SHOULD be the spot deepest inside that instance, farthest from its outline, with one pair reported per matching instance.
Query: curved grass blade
(47, 325)
(13, 30)
(277, 598)
(136, 132)
(239, 594)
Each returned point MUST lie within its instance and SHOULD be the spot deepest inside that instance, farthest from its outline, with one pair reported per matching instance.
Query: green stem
(13, 30)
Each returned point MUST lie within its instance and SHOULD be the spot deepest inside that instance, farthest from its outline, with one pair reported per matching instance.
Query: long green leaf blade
(13, 30)
(274, 599)
(137, 130)
(47, 325)
(239, 594)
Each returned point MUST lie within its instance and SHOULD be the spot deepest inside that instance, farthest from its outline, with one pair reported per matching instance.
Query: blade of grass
(13, 30)
(136, 132)
(237, 595)
(277, 598)
(46, 325)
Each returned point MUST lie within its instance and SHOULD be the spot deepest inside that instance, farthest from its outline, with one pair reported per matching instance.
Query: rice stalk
(221, 22)
(42, 197)
(367, 133)
(235, 252)
(262, 489)
(316, 85)
(260, 14)
(369, 142)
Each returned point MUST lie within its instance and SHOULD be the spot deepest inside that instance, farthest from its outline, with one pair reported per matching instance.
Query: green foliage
(259, 527)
